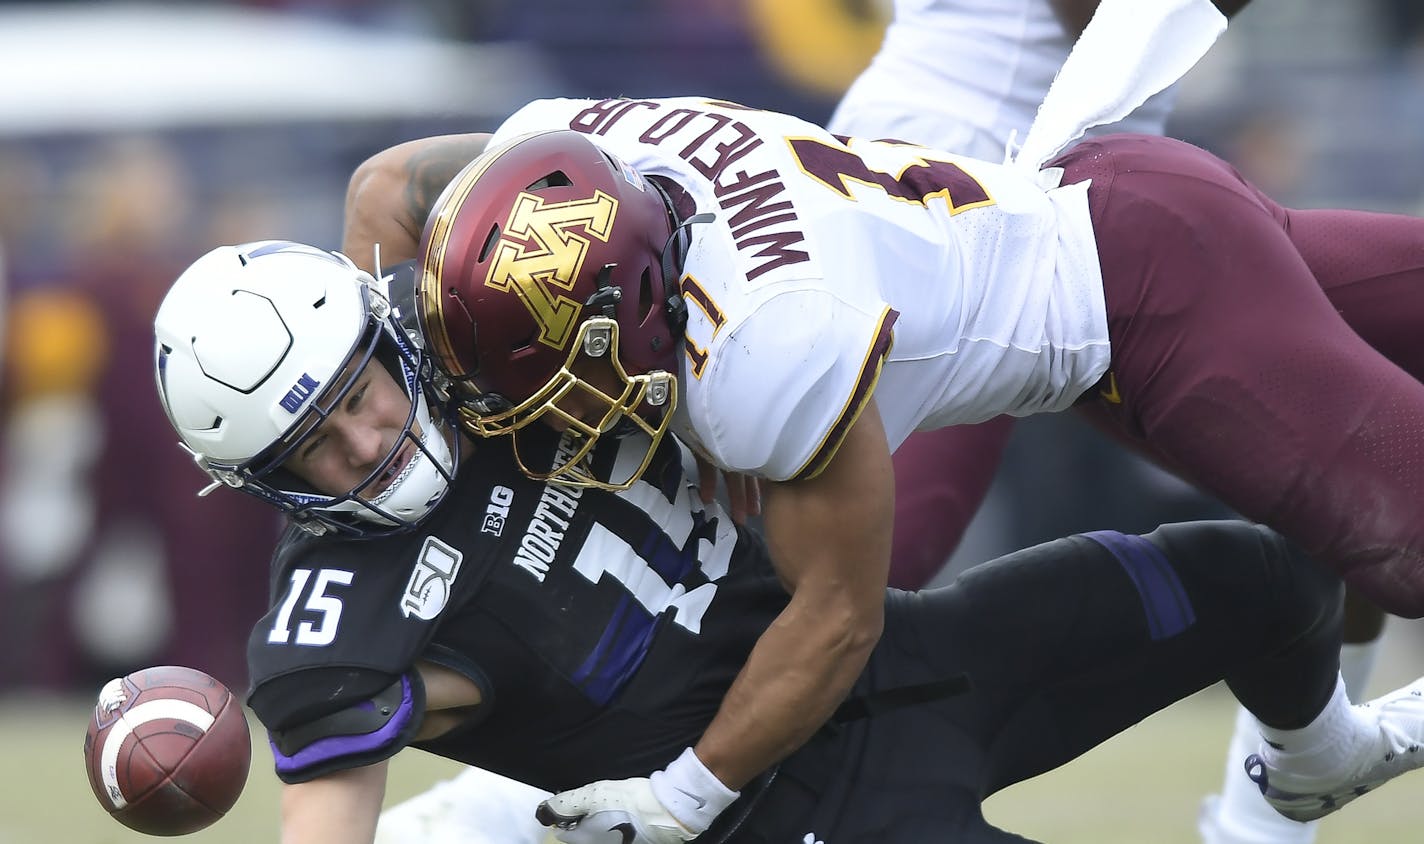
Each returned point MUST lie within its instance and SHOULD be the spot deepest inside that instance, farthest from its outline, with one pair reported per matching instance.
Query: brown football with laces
(168, 750)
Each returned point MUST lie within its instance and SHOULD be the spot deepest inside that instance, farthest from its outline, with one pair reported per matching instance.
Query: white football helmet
(252, 343)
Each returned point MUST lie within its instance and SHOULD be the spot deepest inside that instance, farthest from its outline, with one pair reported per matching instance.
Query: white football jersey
(952, 289)
(963, 75)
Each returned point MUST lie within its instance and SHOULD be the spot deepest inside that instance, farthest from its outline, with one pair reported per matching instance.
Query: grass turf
(1143, 787)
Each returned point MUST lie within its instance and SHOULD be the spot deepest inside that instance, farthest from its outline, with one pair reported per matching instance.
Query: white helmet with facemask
(257, 344)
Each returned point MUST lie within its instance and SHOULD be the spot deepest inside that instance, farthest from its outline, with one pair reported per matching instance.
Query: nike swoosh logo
(626, 829)
(1110, 393)
(700, 801)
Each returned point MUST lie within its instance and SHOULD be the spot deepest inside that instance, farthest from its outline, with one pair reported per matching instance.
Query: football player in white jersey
(1154, 288)
(987, 65)
(968, 76)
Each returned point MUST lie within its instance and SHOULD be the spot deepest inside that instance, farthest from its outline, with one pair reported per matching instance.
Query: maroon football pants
(1272, 356)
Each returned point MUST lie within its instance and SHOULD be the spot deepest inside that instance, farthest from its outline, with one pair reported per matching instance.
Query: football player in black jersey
(430, 594)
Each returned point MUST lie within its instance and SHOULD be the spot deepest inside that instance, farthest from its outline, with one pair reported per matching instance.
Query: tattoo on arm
(430, 170)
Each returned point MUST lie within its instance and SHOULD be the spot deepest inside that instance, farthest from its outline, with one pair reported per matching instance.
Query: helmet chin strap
(606, 298)
(607, 295)
(674, 256)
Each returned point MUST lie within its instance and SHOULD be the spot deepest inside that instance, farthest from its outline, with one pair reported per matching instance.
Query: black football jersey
(602, 628)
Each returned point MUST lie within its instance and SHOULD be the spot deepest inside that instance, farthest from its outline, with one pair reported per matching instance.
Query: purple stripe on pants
(1169, 610)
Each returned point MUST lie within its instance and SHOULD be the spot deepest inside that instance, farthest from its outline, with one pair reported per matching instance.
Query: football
(168, 750)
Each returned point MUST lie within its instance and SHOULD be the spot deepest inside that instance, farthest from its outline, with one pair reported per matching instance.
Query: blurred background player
(967, 76)
(115, 572)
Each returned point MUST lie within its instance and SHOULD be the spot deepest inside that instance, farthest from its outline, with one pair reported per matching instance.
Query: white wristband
(691, 793)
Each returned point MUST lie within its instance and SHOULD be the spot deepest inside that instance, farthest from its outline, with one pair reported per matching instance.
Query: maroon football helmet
(540, 251)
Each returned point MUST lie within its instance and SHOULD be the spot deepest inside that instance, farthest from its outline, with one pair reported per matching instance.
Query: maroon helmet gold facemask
(540, 252)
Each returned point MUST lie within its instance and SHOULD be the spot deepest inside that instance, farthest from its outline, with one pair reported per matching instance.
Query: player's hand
(743, 491)
(611, 812)
(672, 806)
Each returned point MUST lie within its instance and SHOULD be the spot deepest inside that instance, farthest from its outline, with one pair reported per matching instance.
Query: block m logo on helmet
(541, 252)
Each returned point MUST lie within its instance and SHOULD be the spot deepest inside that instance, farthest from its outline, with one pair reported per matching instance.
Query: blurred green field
(1140, 788)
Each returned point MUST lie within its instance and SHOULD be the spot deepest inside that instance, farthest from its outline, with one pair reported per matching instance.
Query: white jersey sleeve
(773, 392)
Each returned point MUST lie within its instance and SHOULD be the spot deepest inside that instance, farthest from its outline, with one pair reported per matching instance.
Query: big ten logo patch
(498, 510)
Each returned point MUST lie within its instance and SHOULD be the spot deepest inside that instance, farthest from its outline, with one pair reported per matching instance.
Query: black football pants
(1063, 646)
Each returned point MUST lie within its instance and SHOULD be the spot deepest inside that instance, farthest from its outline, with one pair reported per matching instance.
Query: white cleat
(1394, 749)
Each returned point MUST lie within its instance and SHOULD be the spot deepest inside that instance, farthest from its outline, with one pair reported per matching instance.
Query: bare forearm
(390, 195)
(830, 539)
(799, 671)
(340, 808)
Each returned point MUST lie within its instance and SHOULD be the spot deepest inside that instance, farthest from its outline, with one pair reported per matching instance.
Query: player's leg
(1231, 361)
(1138, 623)
(1204, 598)
(1068, 643)
(1038, 633)
(1369, 265)
(1238, 815)
(1364, 625)
(941, 478)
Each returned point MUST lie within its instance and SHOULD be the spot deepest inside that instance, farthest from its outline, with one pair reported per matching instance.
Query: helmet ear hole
(556, 179)
(646, 305)
(490, 240)
(522, 347)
